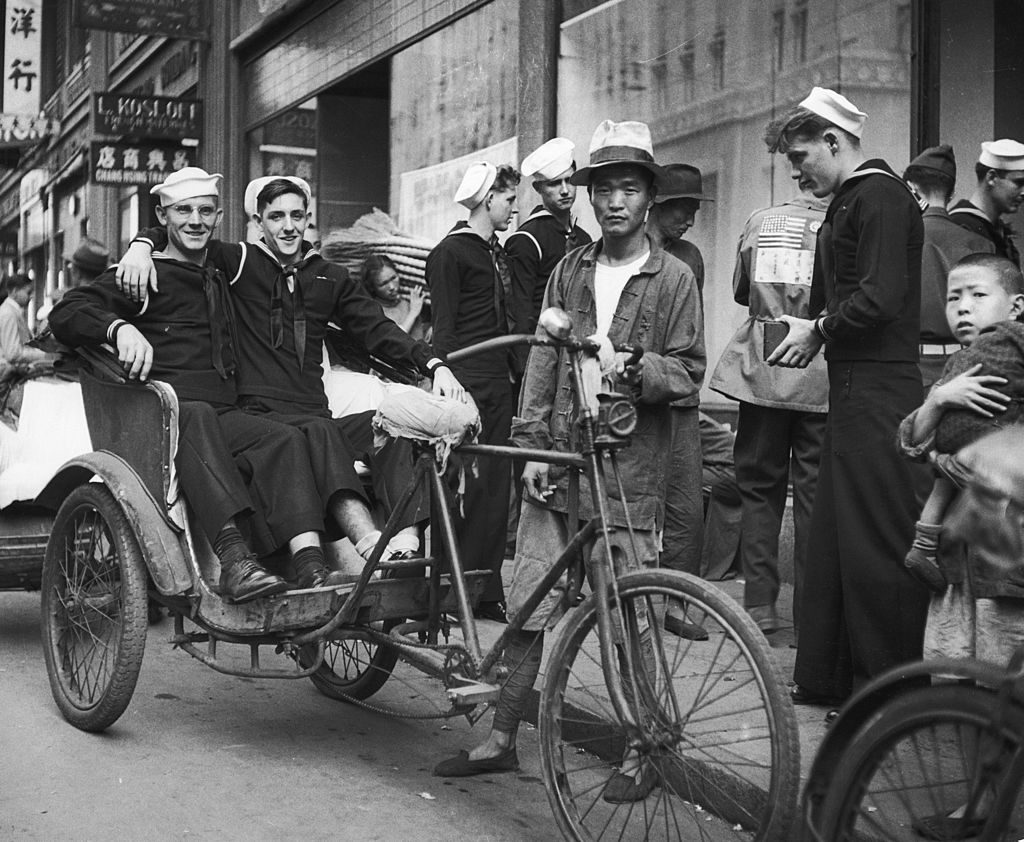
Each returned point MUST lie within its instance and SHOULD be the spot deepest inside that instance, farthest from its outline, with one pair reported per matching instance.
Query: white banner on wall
(426, 206)
(23, 41)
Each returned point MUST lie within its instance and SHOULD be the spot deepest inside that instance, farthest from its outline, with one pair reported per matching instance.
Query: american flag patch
(780, 231)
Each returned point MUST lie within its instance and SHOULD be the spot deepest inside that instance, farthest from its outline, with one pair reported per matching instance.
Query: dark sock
(308, 559)
(230, 546)
(522, 657)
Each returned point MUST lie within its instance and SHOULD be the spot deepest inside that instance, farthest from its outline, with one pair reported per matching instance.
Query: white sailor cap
(835, 108)
(1002, 154)
(475, 183)
(255, 187)
(549, 160)
(185, 184)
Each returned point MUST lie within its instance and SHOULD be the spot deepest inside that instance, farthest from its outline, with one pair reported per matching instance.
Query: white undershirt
(609, 281)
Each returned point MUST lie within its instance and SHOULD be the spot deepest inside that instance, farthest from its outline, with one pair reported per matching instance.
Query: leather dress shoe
(246, 580)
(461, 766)
(802, 696)
(626, 789)
(491, 611)
(318, 576)
(831, 717)
(684, 628)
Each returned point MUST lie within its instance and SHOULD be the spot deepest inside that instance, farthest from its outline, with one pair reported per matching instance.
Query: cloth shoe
(684, 628)
(461, 766)
(625, 789)
(246, 580)
(924, 567)
(948, 828)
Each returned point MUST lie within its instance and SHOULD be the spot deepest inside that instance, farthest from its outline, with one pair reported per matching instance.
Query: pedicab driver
(184, 337)
(626, 288)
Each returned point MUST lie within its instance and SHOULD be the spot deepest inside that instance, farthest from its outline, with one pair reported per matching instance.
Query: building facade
(382, 103)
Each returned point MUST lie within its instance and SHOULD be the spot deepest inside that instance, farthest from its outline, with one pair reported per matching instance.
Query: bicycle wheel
(94, 609)
(719, 731)
(925, 754)
(353, 668)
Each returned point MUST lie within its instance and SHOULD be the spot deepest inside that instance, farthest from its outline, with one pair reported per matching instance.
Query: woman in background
(380, 278)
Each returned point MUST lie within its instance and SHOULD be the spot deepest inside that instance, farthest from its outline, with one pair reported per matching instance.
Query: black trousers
(232, 464)
(334, 444)
(481, 530)
(861, 612)
(774, 446)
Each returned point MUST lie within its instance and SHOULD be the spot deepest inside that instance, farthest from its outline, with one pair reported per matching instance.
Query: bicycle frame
(611, 621)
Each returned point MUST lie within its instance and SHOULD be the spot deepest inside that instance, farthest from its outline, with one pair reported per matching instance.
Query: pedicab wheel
(353, 668)
(718, 752)
(923, 756)
(94, 609)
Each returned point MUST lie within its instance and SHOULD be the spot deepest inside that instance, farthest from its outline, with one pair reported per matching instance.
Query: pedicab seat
(139, 423)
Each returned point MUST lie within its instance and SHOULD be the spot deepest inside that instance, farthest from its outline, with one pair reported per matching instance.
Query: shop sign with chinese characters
(25, 129)
(21, 124)
(126, 164)
(149, 116)
(175, 18)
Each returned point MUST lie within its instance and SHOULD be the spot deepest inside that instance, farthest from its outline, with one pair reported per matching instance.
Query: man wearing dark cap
(932, 174)
(89, 261)
(672, 215)
(625, 288)
(861, 611)
(1000, 191)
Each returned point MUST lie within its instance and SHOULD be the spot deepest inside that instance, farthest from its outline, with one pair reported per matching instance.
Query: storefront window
(708, 76)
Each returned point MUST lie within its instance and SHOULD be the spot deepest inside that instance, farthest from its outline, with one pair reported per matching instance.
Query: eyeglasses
(186, 211)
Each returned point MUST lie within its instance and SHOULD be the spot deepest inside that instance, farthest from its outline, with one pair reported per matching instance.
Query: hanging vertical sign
(23, 41)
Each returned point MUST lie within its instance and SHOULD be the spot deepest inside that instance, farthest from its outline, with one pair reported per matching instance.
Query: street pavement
(200, 755)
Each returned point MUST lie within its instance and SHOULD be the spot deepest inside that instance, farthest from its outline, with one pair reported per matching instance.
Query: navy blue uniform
(861, 612)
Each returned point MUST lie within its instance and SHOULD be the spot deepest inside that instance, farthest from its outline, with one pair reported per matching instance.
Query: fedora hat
(91, 256)
(628, 142)
(681, 181)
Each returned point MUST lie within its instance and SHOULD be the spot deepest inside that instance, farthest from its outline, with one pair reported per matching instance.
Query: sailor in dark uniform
(468, 276)
(544, 237)
(183, 335)
(1000, 191)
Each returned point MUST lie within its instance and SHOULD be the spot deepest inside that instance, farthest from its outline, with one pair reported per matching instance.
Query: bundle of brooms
(377, 233)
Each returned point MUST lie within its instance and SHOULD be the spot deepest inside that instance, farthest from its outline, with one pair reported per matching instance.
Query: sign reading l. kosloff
(148, 116)
(124, 164)
(176, 18)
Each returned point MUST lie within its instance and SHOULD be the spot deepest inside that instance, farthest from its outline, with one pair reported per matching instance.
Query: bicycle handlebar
(572, 343)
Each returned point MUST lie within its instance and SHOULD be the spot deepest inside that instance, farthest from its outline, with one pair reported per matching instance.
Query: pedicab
(714, 723)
